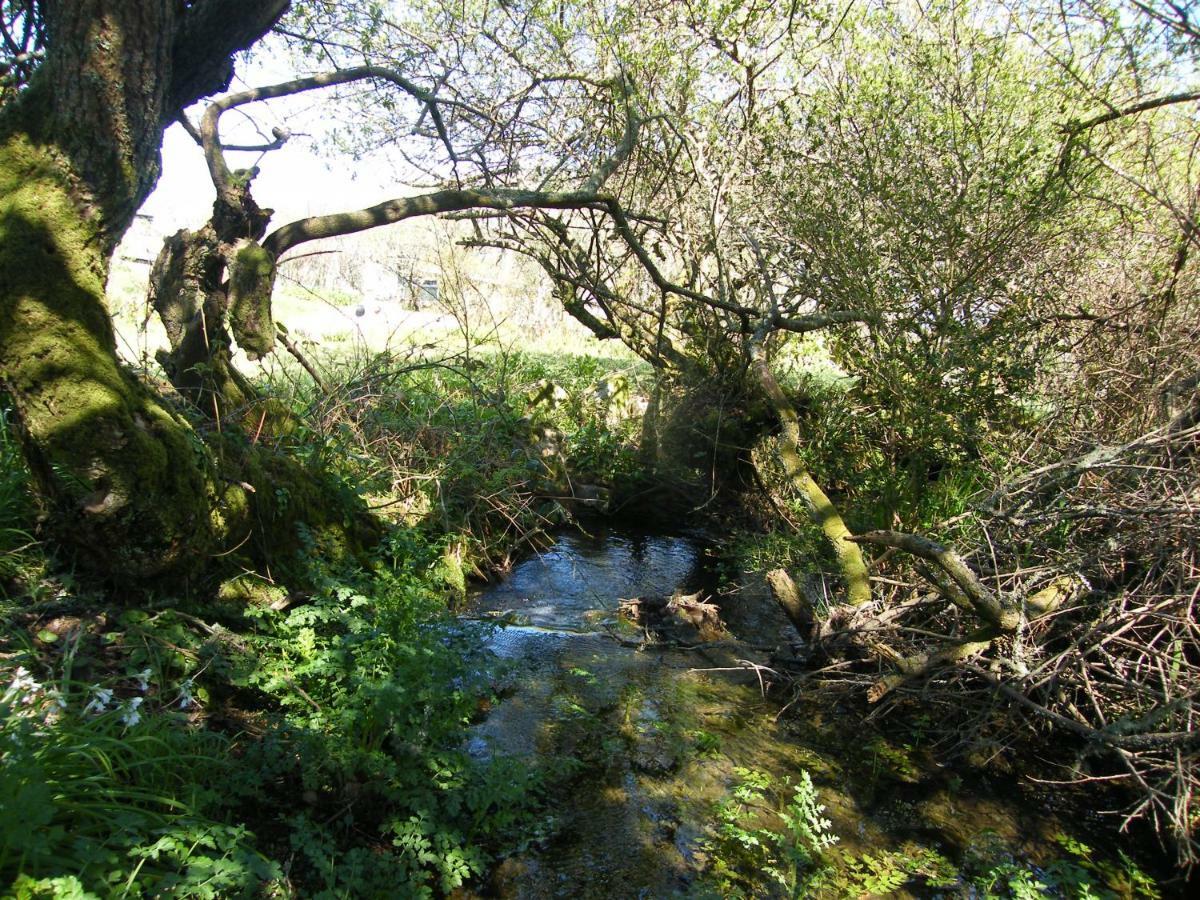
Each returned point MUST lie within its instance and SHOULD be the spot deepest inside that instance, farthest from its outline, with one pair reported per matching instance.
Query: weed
(105, 797)
(744, 848)
(16, 507)
(1079, 874)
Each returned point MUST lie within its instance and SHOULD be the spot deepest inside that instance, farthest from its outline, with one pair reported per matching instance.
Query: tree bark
(125, 480)
(794, 604)
(820, 508)
(206, 284)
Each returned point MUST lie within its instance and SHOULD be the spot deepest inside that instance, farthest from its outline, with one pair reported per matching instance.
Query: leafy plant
(744, 847)
(100, 798)
(1081, 874)
(16, 507)
(884, 872)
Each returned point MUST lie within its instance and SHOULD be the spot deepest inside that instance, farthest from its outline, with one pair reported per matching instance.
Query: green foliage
(1080, 874)
(757, 552)
(375, 696)
(764, 842)
(319, 732)
(447, 444)
(354, 765)
(105, 800)
(886, 871)
(744, 846)
(16, 507)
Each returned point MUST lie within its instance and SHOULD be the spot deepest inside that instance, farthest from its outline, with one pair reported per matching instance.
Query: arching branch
(210, 124)
(1075, 128)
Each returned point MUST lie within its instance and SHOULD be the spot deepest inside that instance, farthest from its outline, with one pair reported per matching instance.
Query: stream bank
(678, 770)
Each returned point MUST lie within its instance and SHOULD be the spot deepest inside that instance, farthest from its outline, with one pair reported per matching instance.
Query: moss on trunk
(251, 280)
(126, 482)
(122, 476)
(128, 485)
(820, 508)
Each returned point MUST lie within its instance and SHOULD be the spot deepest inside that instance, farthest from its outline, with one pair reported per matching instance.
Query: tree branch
(315, 227)
(817, 321)
(1075, 128)
(209, 125)
(992, 609)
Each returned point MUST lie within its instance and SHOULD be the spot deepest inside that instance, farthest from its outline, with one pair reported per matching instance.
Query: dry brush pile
(1060, 611)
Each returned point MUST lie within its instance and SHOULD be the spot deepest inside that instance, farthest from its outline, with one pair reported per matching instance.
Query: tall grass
(15, 502)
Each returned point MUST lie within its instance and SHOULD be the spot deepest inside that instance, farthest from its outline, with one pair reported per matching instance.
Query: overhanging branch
(401, 208)
(1076, 128)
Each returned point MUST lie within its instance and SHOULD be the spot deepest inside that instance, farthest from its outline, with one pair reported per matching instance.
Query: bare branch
(817, 321)
(1076, 128)
(401, 208)
(999, 613)
(209, 126)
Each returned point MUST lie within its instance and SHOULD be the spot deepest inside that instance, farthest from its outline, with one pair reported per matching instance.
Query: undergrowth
(170, 749)
(769, 839)
(484, 449)
(258, 738)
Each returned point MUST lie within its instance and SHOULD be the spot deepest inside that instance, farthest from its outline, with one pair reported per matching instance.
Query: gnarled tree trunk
(205, 284)
(820, 508)
(125, 479)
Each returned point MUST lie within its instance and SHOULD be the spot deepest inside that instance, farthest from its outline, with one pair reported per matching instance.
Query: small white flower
(101, 697)
(143, 679)
(185, 693)
(130, 715)
(23, 687)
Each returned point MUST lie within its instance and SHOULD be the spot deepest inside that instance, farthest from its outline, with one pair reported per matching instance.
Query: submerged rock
(655, 751)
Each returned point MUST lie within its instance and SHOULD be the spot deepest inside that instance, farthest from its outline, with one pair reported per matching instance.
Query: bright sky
(295, 181)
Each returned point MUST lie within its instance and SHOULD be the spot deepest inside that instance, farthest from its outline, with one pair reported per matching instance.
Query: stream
(658, 731)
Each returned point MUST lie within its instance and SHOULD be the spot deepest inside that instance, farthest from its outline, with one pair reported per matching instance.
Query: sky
(298, 180)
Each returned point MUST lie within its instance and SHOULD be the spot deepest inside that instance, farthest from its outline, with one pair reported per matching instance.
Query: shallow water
(655, 732)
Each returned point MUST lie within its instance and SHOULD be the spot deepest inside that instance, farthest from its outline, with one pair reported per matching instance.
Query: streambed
(656, 734)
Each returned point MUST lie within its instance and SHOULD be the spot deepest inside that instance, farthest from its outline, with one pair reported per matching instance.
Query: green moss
(251, 280)
(290, 510)
(119, 472)
(250, 590)
(451, 570)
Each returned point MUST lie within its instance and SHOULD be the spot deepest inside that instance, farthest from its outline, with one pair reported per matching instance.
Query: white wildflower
(101, 697)
(185, 694)
(23, 688)
(130, 715)
(143, 679)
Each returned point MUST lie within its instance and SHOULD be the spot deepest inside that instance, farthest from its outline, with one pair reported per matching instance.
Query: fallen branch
(911, 667)
(997, 612)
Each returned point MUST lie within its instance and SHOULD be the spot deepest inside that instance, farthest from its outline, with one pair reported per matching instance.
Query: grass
(17, 542)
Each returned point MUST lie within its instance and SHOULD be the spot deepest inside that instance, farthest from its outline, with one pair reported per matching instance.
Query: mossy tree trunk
(820, 508)
(204, 285)
(125, 480)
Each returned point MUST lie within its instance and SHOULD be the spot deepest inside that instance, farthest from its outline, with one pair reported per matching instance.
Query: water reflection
(584, 574)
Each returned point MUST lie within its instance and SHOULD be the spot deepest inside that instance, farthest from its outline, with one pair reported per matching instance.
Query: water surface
(655, 732)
